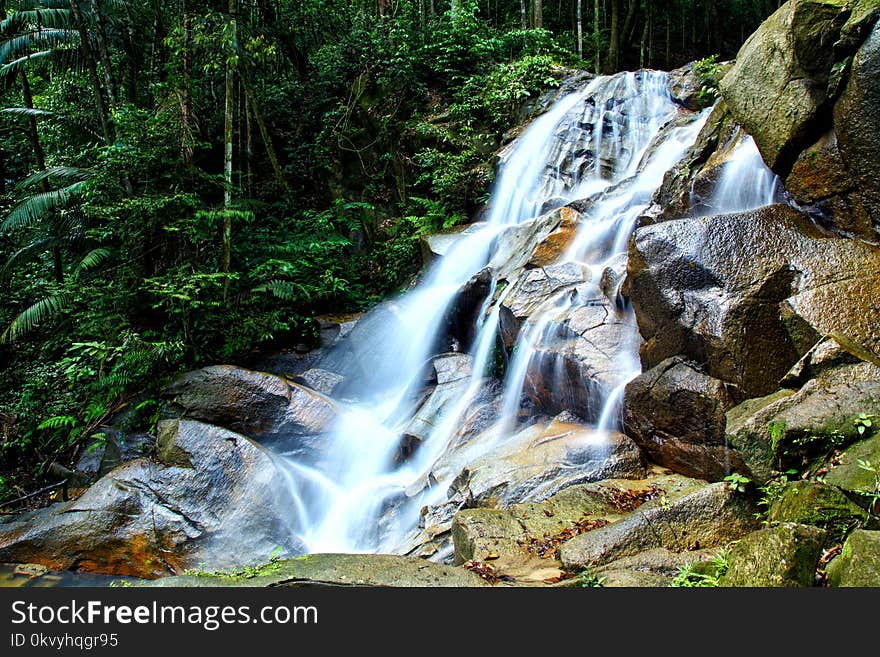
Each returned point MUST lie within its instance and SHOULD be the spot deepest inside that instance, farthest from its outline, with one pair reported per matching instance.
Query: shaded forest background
(189, 182)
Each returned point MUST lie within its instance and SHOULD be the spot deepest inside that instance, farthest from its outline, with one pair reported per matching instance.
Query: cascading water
(607, 146)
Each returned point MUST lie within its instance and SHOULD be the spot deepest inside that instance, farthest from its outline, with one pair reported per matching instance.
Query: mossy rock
(782, 556)
(793, 429)
(478, 533)
(820, 505)
(374, 570)
(859, 562)
(852, 477)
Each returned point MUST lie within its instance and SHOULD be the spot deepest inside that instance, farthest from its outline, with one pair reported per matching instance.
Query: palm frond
(67, 173)
(35, 208)
(12, 68)
(39, 40)
(92, 260)
(51, 17)
(36, 314)
(24, 252)
(26, 111)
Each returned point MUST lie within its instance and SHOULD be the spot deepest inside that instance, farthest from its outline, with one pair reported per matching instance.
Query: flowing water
(608, 146)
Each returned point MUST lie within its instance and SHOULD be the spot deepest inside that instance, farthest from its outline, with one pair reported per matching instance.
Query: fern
(284, 290)
(35, 314)
(58, 422)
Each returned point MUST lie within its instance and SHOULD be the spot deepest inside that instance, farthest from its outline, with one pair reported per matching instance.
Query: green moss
(819, 505)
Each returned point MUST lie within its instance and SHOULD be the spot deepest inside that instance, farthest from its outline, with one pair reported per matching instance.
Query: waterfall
(402, 411)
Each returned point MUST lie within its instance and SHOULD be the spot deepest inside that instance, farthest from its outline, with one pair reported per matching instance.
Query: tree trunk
(597, 37)
(227, 150)
(614, 45)
(523, 15)
(669, 39)
(103, 51)
(264, 131)
(186, 111)
(629, 25)
(539, 13)
(643, 45)
(580, 30)
(92, 68)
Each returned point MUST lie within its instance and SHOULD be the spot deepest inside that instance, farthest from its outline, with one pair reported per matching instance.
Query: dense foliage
(188, 182)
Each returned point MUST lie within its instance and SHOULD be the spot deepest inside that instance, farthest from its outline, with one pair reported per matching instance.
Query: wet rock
(507, 533)
(857, 121)
(308, 410)
(785, 555)
(554, 246)
(789, 429)
(676, 413)
(685, 86)
(659, 562)
(516, 244)
(196, 508)
(228, 396)
(449, 368)
(778, 84)
(114, 448)
(690, 182)
(542, 460)
(820, 505)
(711, 516)
(438, 245)
(339, 570)
(576, 364)
(748, 294)
(821, 183)
(859, 561)
(532, 290)
(442, 401)
(333, 328)
(319, 380)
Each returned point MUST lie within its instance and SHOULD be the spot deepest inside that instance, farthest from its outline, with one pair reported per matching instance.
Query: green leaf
(36, 314)
(92, 260)
(33, 209)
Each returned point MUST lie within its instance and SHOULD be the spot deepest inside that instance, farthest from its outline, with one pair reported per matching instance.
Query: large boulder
(253, 403)
(778, 86)
(857, 122)
(538, 528)
(676, 413)
(748, 294)
(241, 400)
(215, 500)
(820, 182)
(790, 428)
(542, 460)
(786, 555)
(712, 516)
(859, 561)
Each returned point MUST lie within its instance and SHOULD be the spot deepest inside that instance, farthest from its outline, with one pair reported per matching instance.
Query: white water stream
(609, 143)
